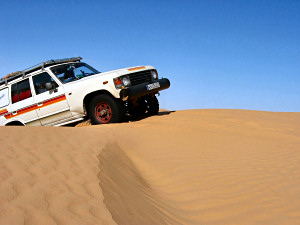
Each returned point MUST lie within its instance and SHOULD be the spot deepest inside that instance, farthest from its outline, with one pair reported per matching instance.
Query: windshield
(73, 71)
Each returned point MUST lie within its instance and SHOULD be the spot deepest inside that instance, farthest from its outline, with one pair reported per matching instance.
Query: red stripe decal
(34, 107)
(53, 100)
(3, 111)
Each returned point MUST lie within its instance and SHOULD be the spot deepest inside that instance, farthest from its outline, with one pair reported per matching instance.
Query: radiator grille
(140, 77)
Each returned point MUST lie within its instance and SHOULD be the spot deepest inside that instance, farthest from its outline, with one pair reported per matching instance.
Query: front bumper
(143, 89)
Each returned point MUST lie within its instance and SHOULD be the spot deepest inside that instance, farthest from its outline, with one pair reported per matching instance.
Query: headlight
(122, 81)
(125, 81)
(154, 74)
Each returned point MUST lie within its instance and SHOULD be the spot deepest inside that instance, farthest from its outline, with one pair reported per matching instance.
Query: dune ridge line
(126, 192)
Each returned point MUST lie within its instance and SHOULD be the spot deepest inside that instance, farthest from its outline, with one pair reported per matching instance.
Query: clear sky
(217, 54)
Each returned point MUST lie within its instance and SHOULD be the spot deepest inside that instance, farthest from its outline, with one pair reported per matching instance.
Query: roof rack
(36, 67)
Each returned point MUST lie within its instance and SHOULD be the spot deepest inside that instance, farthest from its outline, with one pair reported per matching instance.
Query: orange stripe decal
(3, 111)
(53, 100)
(137, 68)
(8, 116)
(34, 107)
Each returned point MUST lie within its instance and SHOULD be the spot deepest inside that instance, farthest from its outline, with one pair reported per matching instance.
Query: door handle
(40, 104)
(14, 112)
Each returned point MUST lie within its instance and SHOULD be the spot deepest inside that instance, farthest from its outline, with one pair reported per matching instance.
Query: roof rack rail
(42, 65)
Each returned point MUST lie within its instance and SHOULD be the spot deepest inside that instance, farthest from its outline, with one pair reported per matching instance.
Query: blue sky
(217, 54)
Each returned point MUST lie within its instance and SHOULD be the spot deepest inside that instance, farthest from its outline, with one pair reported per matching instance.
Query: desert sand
(183, 167)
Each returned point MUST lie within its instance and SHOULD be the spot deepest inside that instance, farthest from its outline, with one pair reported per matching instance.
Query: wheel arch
(87, 99)
(15, 123)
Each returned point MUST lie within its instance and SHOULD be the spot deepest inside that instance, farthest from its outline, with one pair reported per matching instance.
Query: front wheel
(105, 109)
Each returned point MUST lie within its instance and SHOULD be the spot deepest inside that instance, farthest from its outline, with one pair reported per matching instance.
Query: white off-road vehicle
(59, 92)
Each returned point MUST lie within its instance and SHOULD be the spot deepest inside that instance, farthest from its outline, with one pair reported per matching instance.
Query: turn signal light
(118, 82)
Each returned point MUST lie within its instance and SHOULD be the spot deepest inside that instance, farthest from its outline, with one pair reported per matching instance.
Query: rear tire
(153, 105)
(147, 106)
(105, 109)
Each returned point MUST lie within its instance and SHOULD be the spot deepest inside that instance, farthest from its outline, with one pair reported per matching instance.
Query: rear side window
(4, 101)
(20, 91)
(40, 80)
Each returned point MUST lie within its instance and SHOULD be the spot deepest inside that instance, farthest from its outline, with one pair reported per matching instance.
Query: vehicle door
(22, 105)
(52, 105)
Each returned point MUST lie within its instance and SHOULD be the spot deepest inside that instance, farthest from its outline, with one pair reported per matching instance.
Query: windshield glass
(73, 71)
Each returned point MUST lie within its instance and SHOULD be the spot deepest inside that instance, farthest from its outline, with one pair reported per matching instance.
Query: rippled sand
(184, 167)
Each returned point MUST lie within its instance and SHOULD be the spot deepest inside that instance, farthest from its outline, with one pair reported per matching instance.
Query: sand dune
(184, 167)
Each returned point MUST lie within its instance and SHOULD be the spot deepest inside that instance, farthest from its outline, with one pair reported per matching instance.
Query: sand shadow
(165, 113)
(141, 117)
(128, 118)
(127, 192)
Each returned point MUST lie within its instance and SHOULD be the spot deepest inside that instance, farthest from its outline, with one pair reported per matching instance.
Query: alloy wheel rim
(103, 112)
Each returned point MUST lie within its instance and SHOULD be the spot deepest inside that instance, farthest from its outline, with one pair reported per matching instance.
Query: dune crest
(126, 192)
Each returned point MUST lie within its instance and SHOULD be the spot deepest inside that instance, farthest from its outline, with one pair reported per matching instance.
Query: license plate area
(152, 86)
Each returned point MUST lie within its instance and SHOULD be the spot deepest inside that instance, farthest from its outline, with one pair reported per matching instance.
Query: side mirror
(49, 86)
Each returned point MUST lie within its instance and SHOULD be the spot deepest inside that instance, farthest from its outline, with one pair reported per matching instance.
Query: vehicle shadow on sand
(141, 117)
(127, 119)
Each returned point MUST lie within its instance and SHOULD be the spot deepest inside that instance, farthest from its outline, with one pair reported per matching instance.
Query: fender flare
(14, 121)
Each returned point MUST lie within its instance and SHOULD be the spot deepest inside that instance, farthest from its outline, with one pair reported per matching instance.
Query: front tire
(105, 109)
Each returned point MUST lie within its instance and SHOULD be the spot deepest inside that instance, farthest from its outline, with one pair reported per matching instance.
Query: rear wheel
(153, 105)
(145, 106)
(105, 109)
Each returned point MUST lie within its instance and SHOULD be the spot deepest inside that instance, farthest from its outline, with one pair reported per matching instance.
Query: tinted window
(20, 91)
(40, 80)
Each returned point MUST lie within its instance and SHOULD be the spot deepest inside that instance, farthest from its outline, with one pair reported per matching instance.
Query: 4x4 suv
(58, 92)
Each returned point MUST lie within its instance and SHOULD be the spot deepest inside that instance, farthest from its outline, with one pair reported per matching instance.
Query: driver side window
(40, 80)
